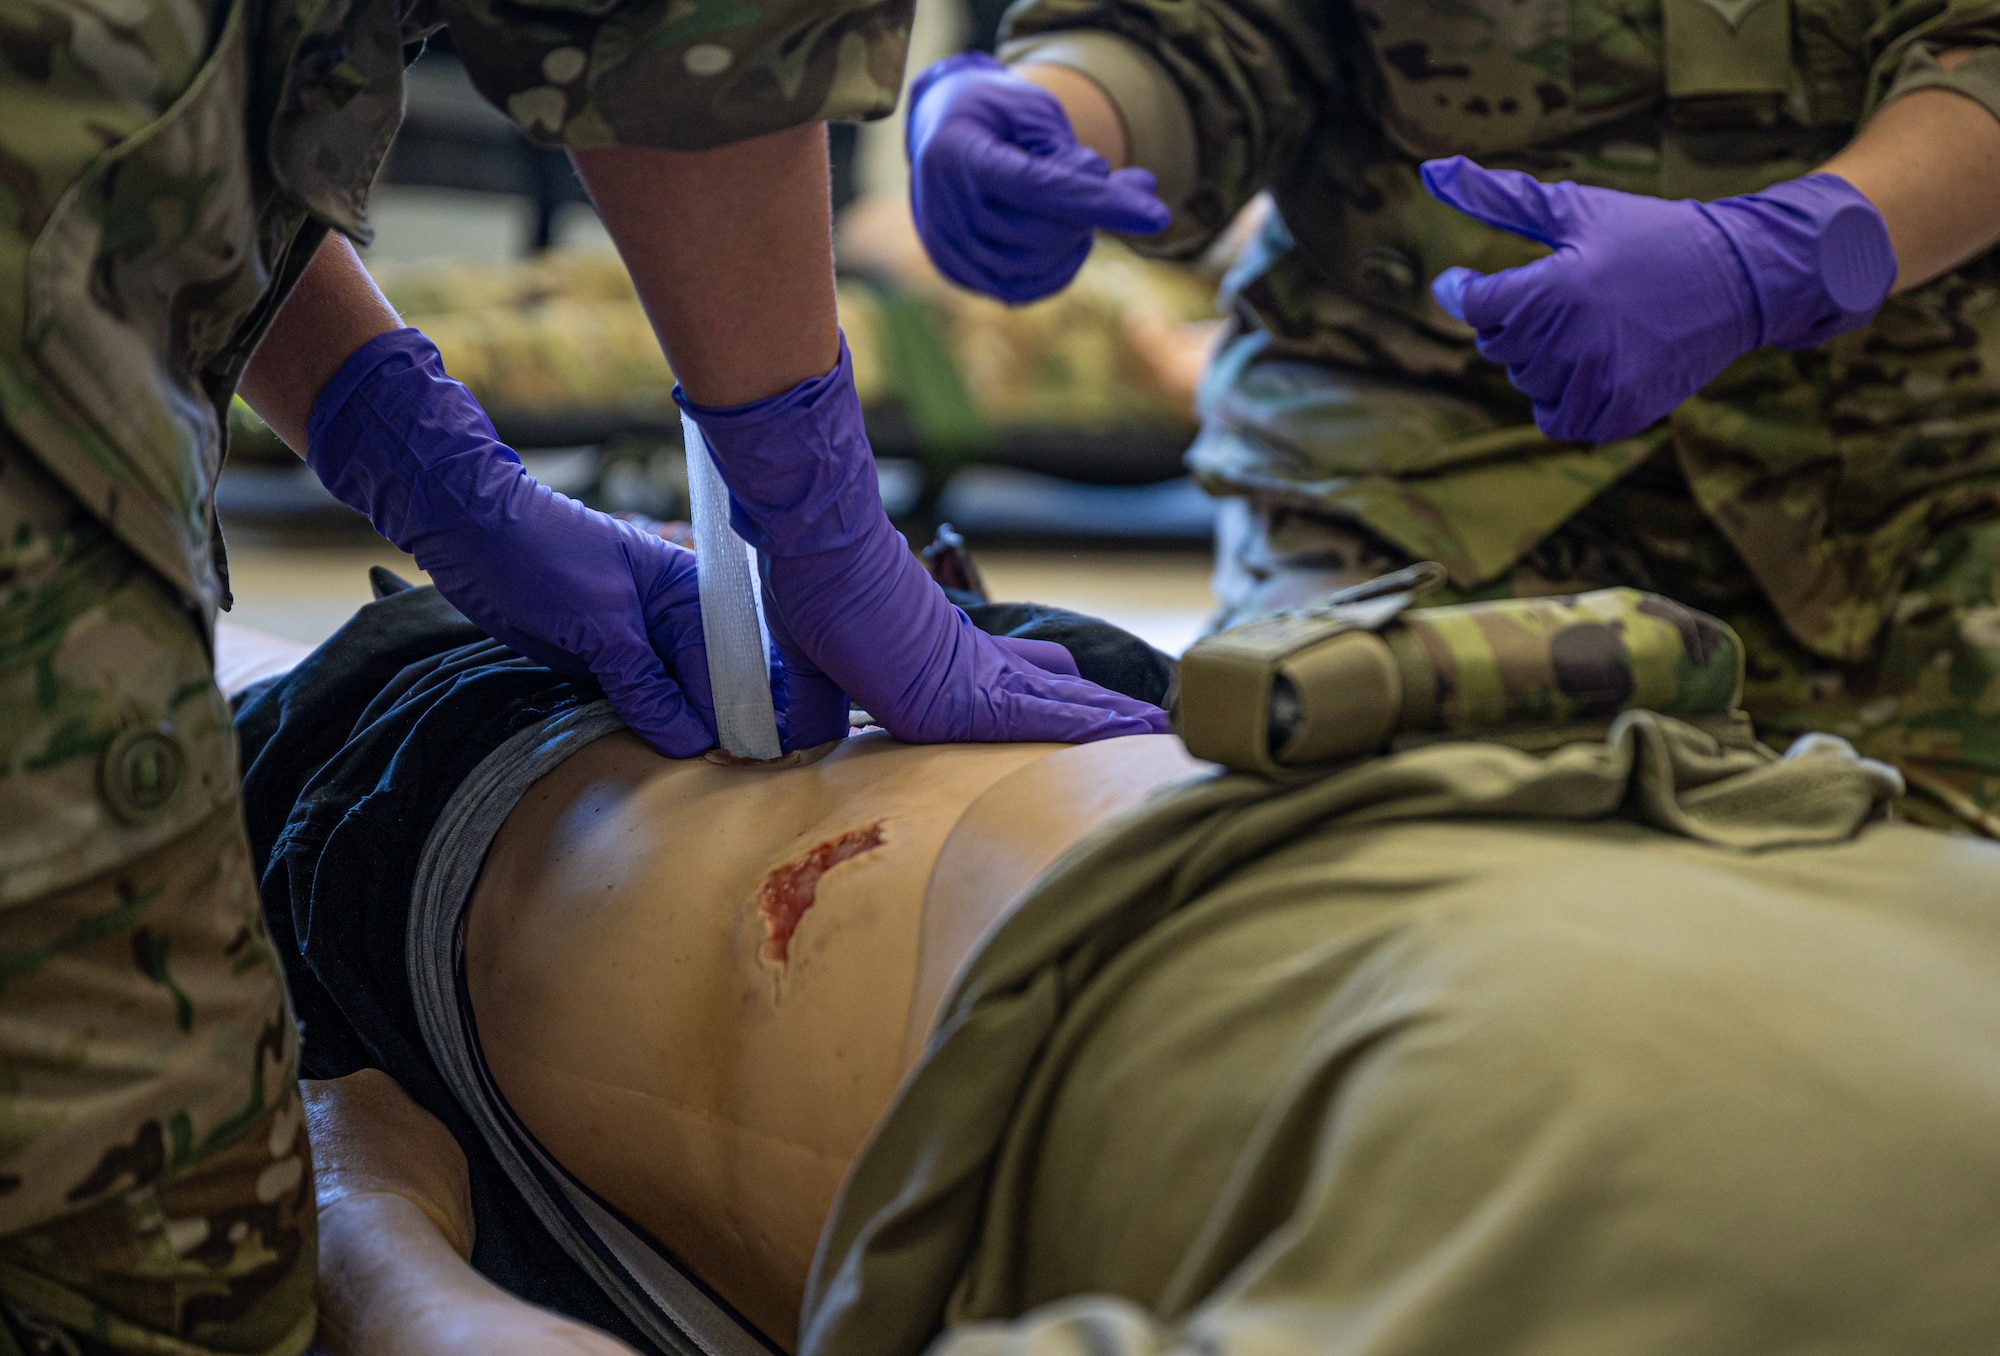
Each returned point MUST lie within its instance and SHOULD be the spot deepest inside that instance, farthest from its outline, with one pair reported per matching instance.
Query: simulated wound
(789, 890)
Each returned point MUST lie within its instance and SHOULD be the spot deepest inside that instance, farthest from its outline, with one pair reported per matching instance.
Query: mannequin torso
(699, 986)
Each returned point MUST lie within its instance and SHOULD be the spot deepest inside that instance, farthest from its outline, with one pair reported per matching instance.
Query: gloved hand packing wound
(1004, 197)
(396, 439)
(843, 593)
(1646, 300)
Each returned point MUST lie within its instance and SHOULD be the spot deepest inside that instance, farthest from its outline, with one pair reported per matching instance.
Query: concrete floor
(304, 587)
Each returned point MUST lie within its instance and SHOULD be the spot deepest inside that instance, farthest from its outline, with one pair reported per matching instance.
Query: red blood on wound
(789, 890)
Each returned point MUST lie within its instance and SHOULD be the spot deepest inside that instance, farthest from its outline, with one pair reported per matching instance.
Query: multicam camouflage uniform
(167, 168)
(1834, 504)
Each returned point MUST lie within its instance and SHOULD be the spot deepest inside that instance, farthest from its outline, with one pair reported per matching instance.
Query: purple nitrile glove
(1005, 199)
(810, 706)
(396, 439)
(844, 593)
(1646, 300)
(1043, 654)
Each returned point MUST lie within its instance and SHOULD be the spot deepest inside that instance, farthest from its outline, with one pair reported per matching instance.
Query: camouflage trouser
(1927, 700)
(155, 1186)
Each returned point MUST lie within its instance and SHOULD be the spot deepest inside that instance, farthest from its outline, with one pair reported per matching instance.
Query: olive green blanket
(1648, 1045)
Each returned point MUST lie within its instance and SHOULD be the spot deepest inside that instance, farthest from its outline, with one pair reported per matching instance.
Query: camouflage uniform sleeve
(684, 75)
(1912, 35)
(1253, 75)
(1159, 129)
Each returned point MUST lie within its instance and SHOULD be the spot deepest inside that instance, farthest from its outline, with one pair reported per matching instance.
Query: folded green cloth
(1644, 1045)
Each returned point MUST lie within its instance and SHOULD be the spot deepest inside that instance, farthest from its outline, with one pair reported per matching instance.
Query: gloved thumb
(811, 708)
(1135, 207)
(1085, 197)
(1508, 308)
(1507, 200)
(1473, 297)
(1072, 189)
(1448, 288)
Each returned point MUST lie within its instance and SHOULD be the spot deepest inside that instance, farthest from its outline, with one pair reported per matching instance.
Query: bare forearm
(395, 1230)
(1930, 162)
(395, 1215)
(386, 1277)
(334, 310)
(732, 253)
(1093, 118)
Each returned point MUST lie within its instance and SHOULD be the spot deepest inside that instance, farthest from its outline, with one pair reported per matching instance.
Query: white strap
(731, 620)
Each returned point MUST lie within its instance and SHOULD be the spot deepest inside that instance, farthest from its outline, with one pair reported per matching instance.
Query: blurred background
(1049, 435)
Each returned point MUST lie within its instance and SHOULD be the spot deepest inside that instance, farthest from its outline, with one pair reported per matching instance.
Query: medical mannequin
(701, 990)
(642, 1018)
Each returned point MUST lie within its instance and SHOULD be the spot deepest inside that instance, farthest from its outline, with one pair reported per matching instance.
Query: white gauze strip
(731, 620)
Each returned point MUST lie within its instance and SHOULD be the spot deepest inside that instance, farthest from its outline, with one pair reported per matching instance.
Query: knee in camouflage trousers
(155, 1181)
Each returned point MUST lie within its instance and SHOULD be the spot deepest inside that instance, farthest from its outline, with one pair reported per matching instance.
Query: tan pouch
(1299, 688)
(1297, 692)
